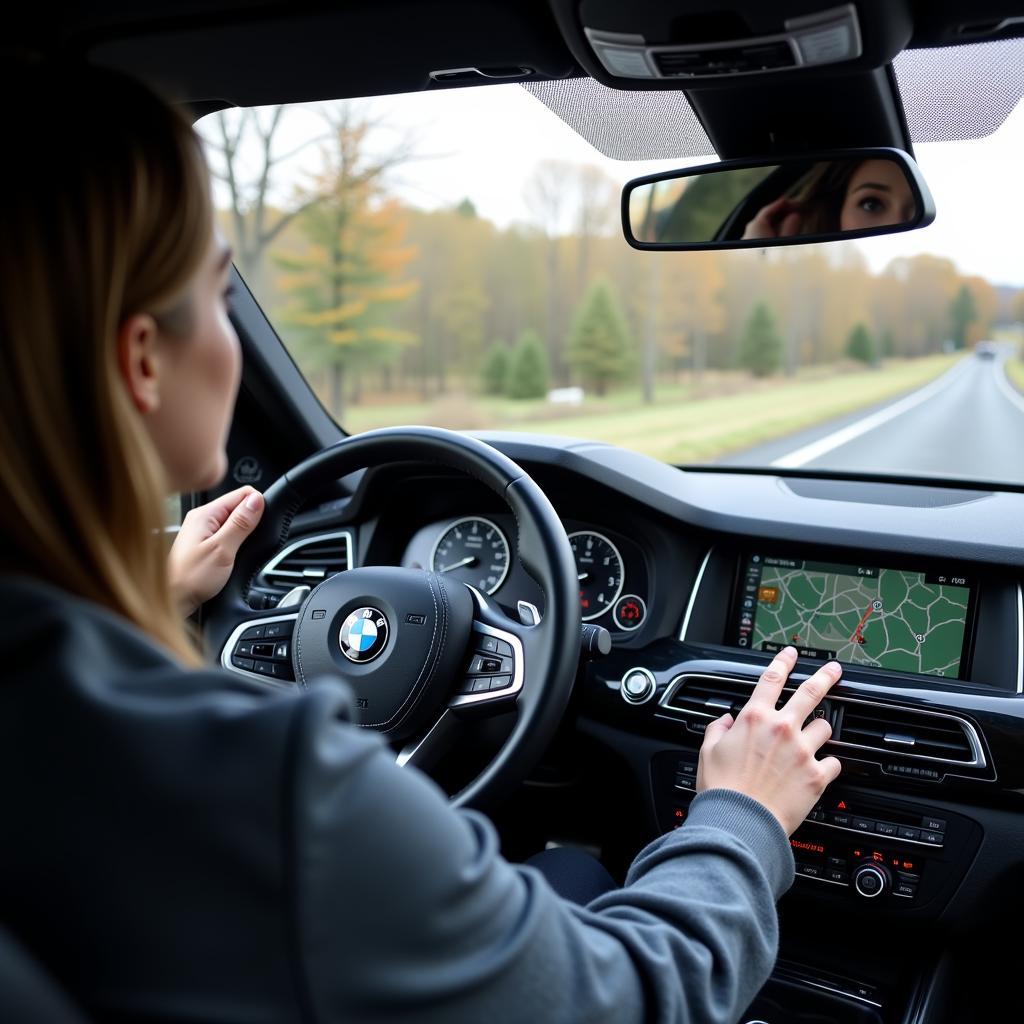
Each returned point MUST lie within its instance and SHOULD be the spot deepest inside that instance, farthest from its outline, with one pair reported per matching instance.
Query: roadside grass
(728, 412)
(1015, 371)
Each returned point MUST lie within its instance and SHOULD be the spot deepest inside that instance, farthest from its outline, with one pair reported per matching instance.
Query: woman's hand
(779, 219)
(769, 754)
(203, 553)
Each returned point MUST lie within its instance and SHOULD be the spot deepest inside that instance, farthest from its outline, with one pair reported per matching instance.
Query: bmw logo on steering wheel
(364, 634)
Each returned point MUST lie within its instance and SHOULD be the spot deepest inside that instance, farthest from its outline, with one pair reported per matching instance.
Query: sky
(484, 144)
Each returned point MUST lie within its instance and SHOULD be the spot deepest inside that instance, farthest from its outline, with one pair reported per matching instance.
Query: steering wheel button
(481, 684)
(263, 668)
(243, 663)
(282, 670)
(243, 650)
(253, 633)
(275, 629)
(504, 649)
(488, 645)
(281, 649)
(500, 682)
(263, 650)
(476, 665)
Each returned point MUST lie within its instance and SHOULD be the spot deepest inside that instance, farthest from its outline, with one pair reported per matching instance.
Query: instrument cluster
(480, 550)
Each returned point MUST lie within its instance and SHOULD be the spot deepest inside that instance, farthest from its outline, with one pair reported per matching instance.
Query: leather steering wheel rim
(542, 547)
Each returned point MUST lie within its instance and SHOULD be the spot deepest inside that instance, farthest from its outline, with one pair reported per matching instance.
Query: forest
(388, 306)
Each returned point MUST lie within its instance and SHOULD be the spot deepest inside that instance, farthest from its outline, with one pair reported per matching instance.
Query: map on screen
(864, 615)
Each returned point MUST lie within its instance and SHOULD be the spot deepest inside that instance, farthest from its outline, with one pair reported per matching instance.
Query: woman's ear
(138, 359)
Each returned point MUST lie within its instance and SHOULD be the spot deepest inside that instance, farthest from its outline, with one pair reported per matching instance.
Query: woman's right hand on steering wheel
(769, 754)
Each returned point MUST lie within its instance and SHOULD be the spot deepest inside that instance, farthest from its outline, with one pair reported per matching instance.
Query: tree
(761, 347)
(861, 346)
(255, 223)
(887, 345)
(599, 345)
(528, 374)
(495, 370)
(342, 288)
(963, 311)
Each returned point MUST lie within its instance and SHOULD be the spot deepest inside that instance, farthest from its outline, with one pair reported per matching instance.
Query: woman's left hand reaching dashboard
(203, 553)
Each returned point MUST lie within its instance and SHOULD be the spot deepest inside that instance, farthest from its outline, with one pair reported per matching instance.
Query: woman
(182, 844)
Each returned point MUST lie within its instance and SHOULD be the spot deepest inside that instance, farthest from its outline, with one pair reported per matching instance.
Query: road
(967, 423)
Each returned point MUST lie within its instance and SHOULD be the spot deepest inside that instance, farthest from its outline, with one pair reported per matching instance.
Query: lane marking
(1004, 385)
(814, 450)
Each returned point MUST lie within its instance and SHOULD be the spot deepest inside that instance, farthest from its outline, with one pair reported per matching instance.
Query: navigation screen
(863, 615)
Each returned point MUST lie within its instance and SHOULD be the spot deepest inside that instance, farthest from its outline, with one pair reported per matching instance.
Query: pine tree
(495, 370)
(599, 344)
(760, 347)
(963, 311)
(861, 346)
(528, 374)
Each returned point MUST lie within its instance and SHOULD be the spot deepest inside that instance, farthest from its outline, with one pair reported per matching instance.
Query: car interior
(569, 709)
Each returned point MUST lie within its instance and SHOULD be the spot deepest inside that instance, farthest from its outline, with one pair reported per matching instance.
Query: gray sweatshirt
(188, 846)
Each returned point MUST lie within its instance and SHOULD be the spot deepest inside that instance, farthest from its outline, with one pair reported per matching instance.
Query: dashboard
(699, 576)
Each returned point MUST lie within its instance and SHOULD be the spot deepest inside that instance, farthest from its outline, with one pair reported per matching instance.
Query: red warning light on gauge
(630, 612)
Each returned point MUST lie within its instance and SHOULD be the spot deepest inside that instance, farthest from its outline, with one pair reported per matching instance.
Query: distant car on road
(986, 349)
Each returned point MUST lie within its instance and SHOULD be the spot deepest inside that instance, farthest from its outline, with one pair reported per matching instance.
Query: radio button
(905, 889)
(838, 876)
(842, 819)
(863, 824)
(904, 832)
(886, 828)
(933, 824)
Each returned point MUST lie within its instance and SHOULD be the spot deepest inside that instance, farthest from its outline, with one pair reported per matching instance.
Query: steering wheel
(424, 656)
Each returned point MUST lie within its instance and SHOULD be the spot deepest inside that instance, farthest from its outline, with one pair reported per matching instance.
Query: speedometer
(474, 551)
(599, 572)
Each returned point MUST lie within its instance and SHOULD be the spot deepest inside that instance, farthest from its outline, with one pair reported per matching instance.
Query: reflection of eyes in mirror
(878, 195)
(834, 196)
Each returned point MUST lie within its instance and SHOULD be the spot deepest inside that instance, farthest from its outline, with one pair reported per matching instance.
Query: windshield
(456, 258)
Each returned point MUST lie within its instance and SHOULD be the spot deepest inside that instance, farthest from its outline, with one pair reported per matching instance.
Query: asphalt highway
(968, 423)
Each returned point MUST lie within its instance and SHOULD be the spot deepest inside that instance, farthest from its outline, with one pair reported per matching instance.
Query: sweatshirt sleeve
(402, 908)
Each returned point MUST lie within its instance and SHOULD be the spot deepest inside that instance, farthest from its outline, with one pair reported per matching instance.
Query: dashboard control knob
(871, 880)
(637, 686)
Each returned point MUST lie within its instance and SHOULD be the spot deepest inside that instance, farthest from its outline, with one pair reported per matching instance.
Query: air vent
(706, 697)
(310, 559)
(916, 734)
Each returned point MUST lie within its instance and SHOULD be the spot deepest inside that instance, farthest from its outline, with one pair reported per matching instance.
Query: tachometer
(474, 551)
(599, 571)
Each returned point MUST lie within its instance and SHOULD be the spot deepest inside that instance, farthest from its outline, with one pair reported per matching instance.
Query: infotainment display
(896, 619)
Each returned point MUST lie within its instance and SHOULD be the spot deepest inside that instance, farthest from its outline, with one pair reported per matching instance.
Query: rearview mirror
(739, 204)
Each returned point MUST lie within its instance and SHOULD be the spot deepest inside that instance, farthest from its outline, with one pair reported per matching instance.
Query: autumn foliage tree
(344, 286)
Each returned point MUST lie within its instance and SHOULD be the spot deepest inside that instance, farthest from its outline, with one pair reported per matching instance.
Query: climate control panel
(854, 846)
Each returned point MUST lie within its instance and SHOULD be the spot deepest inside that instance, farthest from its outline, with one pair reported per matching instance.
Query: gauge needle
(583, 576)
(468, 560)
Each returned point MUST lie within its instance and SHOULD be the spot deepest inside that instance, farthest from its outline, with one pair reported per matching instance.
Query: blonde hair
(105, 212)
